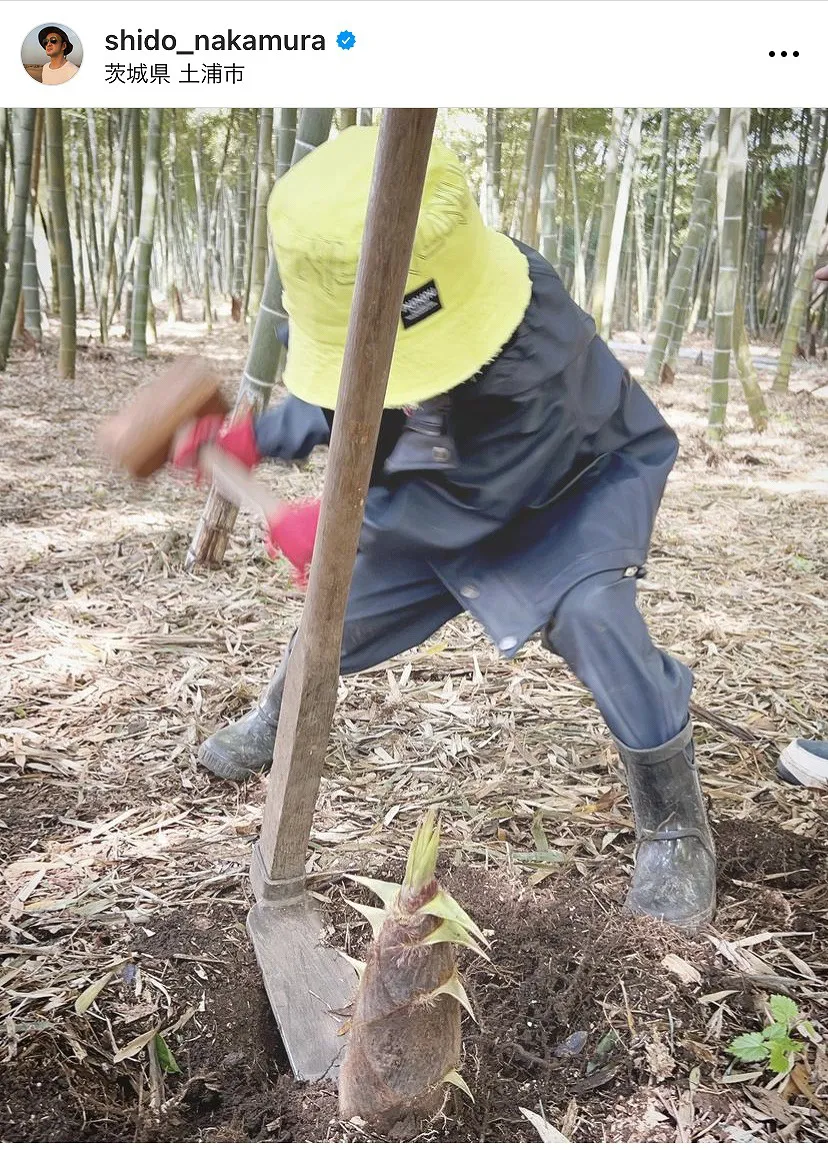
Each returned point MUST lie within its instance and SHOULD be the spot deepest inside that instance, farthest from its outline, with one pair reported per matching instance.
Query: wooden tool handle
(236, 484)
(313, 669)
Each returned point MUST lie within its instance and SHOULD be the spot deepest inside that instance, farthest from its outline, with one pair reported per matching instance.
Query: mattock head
(140, 436)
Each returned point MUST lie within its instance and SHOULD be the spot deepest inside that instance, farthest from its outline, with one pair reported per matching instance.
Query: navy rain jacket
(562, 463)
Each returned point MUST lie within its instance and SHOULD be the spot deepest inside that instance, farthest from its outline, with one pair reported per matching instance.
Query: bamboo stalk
(96, 182)
(29, 315)
(641, 272)
(115, 192)
(204, 243)
(607, 214)
(798, 221)
(62, 241)
(729, 265)
(285, 140)
(23, 121)
(77, 216)
(241, 206)
(87, 232)
(802, 284)
(549, 193)
(540, 141)
(4, 135)
(134, 192)
(655, 250)
(141, 299)
(700, 214)
(264, 186)
(579, 274)
(619, 222)
(811, 186)
(703, 282)
(520, 198)
(747, 372)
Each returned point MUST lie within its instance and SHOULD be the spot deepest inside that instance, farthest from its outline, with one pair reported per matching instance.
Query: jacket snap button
(629, 572)
(507, 643)
(469, 592)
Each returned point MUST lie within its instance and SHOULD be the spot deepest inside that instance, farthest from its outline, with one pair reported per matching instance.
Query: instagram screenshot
(413, 519)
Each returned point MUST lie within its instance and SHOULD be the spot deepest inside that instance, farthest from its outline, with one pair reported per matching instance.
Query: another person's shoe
(804, 762)
(674, 879)
(246, 747)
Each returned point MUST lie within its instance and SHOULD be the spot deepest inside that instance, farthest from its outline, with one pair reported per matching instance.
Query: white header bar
(448, 53)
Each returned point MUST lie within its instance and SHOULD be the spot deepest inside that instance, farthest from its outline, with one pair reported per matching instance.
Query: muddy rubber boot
(674, 879)
(244, 748)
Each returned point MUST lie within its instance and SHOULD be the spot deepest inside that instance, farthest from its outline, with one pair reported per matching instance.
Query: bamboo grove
(667, 225)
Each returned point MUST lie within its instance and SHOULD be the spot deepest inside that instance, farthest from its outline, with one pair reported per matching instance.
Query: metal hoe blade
(309, 985)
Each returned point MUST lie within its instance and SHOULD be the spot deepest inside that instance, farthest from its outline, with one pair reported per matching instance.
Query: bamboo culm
(23, 122)
(655, 248)
(62, 241)
(700, 219)
(114, 200)
(141, 299)
(264, 185)
(549, 193)
(607, 214)
(4, 128)
(804, 278)
(285, 140)
(537, 162)
(729, 266)
(619, 223)
(196, 153)
(29, 314)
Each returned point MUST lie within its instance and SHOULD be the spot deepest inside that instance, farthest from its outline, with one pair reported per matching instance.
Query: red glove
(237, 439)
(292, 533)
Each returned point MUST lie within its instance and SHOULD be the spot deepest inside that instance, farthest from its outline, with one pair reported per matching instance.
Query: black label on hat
(420, 304)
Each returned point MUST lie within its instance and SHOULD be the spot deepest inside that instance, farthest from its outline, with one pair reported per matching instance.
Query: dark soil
(568, 970)
(783, 860)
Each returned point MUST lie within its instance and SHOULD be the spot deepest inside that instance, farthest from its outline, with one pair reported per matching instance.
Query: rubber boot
(674, 879)
(244, 748)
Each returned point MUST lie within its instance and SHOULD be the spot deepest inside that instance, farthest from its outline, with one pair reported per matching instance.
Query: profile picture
(52, 53)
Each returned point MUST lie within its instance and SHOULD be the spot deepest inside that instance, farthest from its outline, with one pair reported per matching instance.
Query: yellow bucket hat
(466, 293)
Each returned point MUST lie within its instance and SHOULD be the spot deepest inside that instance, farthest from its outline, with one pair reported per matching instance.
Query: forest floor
(124, 865)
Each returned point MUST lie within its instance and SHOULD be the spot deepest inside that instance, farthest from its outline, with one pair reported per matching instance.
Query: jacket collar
(554, 331)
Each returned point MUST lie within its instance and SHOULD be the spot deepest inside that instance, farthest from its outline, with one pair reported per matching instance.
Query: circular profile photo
(52, 53)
